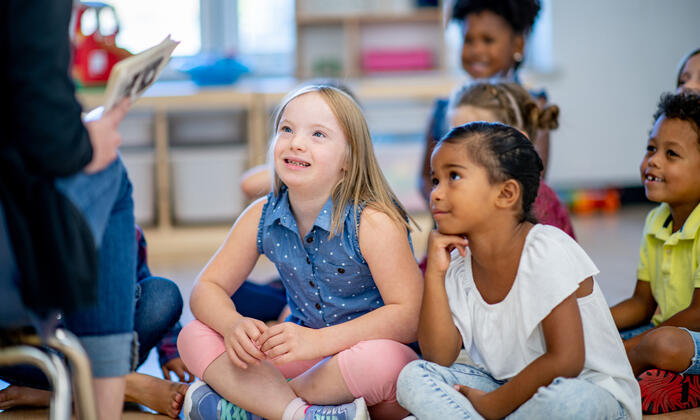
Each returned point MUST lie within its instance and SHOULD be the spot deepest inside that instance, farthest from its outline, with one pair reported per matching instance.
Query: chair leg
(53, 368)
(68, 344)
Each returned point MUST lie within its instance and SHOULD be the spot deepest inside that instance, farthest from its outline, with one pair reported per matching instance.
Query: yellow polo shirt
(669, 261)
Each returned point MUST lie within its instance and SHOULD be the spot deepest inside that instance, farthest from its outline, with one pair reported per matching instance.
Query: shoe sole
(664, 391)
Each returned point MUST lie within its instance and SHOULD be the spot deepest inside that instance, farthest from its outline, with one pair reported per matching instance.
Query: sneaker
(356, 410)
(202, 403)
(664, 391)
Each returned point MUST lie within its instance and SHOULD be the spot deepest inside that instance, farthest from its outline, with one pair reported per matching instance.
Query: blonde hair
(363, 182)
(510, 103)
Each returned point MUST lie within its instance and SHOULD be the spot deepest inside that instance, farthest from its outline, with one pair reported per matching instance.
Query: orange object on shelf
(94, 30)
(589, 201)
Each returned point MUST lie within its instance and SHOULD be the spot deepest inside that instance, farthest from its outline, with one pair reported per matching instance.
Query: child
(494, 34)
(520, 297)
(511, 104)
(689, 73)
(339, 240)
(669, 272)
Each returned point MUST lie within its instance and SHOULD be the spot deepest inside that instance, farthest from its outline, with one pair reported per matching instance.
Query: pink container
(397, 60)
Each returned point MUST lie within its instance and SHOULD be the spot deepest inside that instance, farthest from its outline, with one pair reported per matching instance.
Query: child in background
(494, 34)
(339, 239)
(158, 308)
(689, 73)
(669, 271)
(511, 104)
(519, 296)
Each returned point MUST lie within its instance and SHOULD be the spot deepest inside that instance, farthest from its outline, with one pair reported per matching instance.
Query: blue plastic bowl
(221, 71)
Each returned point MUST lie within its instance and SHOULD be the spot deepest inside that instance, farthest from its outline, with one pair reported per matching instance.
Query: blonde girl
(339, 240)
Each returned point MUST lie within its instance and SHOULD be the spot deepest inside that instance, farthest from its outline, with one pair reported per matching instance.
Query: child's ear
(509, 194)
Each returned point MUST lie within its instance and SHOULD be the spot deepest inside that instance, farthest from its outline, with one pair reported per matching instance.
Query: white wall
(611, 61)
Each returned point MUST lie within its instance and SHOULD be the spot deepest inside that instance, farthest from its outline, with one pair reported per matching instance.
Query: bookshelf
(349, 39)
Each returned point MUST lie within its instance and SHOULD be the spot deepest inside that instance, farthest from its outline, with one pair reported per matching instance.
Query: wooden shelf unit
(336, 40)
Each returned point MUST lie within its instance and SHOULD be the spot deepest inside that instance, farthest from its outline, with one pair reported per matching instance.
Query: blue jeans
(158, 308)
(106, 328)
(628, 333)
(425, 389)
(694, 368)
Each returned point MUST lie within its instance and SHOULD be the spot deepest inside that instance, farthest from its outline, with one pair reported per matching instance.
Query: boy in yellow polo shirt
(668, 273)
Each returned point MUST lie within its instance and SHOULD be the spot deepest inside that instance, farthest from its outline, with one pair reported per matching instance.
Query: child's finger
(270, 332)
(234, 358)
(271, 342)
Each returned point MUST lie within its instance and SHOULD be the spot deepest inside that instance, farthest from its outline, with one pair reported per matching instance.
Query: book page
(133, 75)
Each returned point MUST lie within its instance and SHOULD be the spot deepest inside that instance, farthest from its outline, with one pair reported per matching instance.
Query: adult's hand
(104, 137)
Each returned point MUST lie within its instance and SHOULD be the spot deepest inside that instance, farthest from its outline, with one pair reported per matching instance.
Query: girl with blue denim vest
(518, 296)
(339, 239)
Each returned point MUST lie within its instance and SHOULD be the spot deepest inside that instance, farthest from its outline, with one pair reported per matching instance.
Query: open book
(132, 76)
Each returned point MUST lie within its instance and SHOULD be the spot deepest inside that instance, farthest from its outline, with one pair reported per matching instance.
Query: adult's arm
(42, 117)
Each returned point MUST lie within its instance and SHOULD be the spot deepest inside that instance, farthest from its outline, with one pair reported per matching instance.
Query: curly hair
(520, 14)
(506, 154)
(683, 106)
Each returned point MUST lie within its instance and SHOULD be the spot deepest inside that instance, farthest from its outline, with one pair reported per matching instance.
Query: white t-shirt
(507, 336)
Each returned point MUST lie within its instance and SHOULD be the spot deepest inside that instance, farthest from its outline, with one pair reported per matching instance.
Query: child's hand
(177, 366)
(287, 342)
(479, 400)
(439, 248)
(240, 342)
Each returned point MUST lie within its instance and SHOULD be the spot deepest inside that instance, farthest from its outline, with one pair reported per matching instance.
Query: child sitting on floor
(519, 296)
(340, 242)
(668, 273)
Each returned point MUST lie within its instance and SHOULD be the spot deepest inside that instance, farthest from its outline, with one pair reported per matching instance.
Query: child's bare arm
(688, 318)
(637, 309)
(211, 296)
(439, 339)
(565, 356)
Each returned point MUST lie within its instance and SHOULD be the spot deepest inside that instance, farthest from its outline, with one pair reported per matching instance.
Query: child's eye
(435, 182)
(454, 176)
(671, 153)
(651, 149)
(285, 129)
(318, 134)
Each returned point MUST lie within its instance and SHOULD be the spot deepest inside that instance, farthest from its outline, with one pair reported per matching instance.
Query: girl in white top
(518, 296)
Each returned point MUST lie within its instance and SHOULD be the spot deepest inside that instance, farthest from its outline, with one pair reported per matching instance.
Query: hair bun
(548, 118)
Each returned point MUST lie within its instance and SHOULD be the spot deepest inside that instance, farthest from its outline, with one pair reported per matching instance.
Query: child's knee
(199, 346)
(411, 375)
(668, 348)
(371, 368)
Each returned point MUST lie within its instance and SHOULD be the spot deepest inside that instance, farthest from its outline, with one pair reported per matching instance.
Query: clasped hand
(251, 341)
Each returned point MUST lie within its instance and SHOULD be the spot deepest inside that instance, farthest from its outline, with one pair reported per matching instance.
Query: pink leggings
(369, 368)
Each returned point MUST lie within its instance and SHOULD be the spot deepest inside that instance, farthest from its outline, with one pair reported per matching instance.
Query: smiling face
(462, 196)
(671, 167)
(489, 45)
(310, 151)
(689, 79)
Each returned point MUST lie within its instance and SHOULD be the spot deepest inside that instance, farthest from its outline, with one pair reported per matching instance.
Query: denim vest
(327, 280)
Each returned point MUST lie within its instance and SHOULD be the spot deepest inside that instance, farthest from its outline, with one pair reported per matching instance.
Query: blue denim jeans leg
(158, 308)
(694, 368)
(106, 328)
(635, 331)
(426, 390)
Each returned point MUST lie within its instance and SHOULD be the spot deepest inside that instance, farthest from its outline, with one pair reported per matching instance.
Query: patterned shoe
(202, 403)
(664, 391)
(356, 410)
